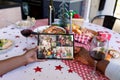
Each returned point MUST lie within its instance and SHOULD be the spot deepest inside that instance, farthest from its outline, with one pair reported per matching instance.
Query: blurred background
(85, 8)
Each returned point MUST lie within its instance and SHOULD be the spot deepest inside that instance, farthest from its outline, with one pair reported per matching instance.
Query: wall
(108, 8)
(9, 16)
(86, 9)
(93, 9)
(117, 10)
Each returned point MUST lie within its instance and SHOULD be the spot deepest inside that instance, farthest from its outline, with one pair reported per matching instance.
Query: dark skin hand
(82, 55)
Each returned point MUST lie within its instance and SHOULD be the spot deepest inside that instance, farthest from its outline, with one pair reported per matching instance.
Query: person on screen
(14, 62)
(105, 66)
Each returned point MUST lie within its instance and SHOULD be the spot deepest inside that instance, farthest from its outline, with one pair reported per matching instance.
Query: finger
(33, 49)
(41, 60)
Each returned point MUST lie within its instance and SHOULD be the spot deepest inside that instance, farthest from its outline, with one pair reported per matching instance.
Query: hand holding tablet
(55, 46)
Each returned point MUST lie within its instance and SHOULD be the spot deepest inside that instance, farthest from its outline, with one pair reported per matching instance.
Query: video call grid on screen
(55, 46)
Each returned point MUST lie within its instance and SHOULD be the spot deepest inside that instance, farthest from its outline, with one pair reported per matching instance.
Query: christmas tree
(63, 14)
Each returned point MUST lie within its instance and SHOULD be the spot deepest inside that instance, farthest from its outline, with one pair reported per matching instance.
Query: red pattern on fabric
(82, 38)
(37, 69)
(17, 36)
(82, 45)
(16, 46)
(70, 71)
(105, 34)
(25, 49)
(59, 67)
(83, 70)
(33, 43)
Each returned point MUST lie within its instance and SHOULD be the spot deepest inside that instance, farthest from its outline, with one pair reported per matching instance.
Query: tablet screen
(55, 46)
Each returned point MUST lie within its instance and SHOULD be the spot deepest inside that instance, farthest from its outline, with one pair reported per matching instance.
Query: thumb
(34, 49)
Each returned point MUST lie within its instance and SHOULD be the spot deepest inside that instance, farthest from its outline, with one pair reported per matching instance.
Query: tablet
(55, 46)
